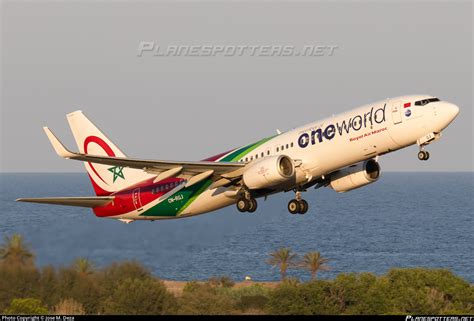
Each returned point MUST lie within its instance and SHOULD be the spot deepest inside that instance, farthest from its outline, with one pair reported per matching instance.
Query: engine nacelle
(269, 172)
(355, 176)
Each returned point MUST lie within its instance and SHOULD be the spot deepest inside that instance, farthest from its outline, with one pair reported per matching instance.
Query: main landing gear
(247, 203)
(298, 205)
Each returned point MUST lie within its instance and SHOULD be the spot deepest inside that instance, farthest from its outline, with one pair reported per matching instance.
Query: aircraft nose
(451, 111)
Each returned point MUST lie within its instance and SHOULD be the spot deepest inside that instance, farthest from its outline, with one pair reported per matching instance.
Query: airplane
(340, 152)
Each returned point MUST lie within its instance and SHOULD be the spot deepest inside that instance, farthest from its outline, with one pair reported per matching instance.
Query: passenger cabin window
(291, 145)
(286, 146)
(425, 101)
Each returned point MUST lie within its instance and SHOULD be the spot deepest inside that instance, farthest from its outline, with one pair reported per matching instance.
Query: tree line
(130, 288)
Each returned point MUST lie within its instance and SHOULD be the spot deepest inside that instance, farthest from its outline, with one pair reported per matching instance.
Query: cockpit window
(425, 101)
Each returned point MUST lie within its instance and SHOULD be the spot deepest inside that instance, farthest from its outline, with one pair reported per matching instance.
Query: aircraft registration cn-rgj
(341, 152)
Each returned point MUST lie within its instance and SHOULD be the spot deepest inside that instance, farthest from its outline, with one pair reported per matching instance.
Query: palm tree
(314, 262)
(283, 258)
(83, 266)
(15, 251)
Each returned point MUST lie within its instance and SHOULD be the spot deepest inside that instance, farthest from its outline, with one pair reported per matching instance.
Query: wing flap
(71, 201)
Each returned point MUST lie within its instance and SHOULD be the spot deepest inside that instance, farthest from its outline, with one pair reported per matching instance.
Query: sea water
(402, 220)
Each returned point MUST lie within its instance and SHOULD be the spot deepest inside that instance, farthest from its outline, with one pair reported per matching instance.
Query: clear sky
(61, 56)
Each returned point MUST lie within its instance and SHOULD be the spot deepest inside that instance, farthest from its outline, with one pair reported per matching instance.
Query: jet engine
(355, 176)
(269, 172)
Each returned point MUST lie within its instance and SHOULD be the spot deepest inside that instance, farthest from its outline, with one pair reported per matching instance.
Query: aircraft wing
(71, 201)
(221, 173)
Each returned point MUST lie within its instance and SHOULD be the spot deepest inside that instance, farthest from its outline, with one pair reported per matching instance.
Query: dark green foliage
(306, 298)
(362, 293)
(83, 288)
(422, 291)
(206, 299)
(401, 291)
(248, 298)
(140, 296)
(130, 288)
(252, 302)
(117, 272)
(79, 282)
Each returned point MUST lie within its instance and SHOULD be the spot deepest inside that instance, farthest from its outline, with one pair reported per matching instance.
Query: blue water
(403, 220)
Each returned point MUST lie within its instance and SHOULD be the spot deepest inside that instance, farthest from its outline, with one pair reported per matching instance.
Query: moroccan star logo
(117, 171)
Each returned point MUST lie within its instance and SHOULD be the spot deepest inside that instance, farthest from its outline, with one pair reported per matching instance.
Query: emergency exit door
(137, 203)
(397, 112)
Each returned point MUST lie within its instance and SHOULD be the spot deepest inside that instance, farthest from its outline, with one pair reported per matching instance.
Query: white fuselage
(340, 151)
(339, 141)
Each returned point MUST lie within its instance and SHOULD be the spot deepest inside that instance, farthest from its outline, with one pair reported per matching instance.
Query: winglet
(57, 145)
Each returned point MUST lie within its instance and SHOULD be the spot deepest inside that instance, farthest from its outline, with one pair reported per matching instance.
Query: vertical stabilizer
(106, 179)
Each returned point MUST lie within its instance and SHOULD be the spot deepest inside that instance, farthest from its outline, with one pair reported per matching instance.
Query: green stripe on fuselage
(179, 201)
(239, 153)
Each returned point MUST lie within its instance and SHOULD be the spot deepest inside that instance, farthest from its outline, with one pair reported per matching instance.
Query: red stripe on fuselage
(123, 202)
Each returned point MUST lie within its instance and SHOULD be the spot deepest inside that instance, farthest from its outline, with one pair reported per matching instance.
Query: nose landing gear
(424, 141)
(423, 155)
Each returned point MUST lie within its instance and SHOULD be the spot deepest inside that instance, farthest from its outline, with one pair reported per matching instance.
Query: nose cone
(450, 111)
(444, 114)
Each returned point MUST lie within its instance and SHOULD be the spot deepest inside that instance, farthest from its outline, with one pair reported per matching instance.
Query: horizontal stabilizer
(71, 201)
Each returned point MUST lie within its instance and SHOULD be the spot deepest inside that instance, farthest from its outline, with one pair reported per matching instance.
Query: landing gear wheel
(294, 207)
(252, 205)
(303, 207)
(243, 205)
(422, 155)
